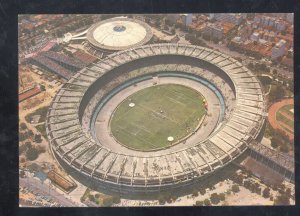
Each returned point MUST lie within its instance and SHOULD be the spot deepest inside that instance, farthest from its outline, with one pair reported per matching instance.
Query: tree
(28, 145)
(276, 93)
(168, 197)
(282, 199)
(250, 65)
(22, 149)
(222, 196)
(23, 126)
(22, 173)
(42, 87)
(214, 198)
(199, 203)
(116, 199)
(107, 201)
(22, 160)
(266, 192)
(21, 137)
(265, 80)
(207, 202)
(206, 37)
(202, 191)
(40, 149)
(91, 198)
(288, 191)
(32, 154)
(235, 188)
(173, 30)
(275, 142)
(238, 179)
(33, 42)
(38, 138)
(30, 133)
(161, 200)
(284, 148)
(195, 193)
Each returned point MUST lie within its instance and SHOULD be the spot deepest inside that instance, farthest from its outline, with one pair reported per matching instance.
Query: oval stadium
(155, 118)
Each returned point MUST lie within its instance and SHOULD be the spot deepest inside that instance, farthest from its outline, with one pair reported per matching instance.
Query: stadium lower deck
(69, 120)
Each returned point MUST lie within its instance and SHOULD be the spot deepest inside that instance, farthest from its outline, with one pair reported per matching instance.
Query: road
(44, 190)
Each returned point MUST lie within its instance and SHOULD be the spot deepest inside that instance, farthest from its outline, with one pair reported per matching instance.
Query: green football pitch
(159, 112)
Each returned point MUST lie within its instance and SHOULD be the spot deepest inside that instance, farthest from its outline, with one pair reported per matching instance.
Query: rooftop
(119, 33)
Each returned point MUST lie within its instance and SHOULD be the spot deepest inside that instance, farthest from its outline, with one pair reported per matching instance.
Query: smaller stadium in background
(118, 34)
(281, 117)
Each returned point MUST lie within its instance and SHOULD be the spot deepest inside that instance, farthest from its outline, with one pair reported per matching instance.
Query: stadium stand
(84, 57)
(52, 66)
(64, 60)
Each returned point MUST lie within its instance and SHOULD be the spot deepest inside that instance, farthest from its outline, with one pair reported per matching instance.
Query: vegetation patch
(42, 112)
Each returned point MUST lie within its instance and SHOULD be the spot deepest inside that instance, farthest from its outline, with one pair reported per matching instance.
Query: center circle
(159, 112)
(119, 28)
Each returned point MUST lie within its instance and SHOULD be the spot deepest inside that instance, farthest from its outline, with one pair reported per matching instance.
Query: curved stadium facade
(238, 110)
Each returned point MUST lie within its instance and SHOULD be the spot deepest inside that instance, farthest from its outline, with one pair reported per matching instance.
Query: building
(214, 30)
(186, 19)
(280, 25)
(60, 181)
(29, 93)
(291, 52)
(173, 17)
(290, 18)
(254, 36)
(115, 34)
(279, 49)
(228, 17)
(271, 23)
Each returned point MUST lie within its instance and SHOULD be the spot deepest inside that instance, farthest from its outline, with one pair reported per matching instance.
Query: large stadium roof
(119, 34)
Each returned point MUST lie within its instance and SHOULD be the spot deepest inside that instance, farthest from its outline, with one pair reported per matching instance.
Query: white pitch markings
(158, 113)
(176, 101)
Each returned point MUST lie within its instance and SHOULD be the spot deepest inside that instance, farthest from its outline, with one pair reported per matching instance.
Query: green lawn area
(287, 109)
(284, 119)
(145, 127)
(42, 129)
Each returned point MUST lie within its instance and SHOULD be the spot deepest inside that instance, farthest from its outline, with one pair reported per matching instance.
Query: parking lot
(35, 193)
